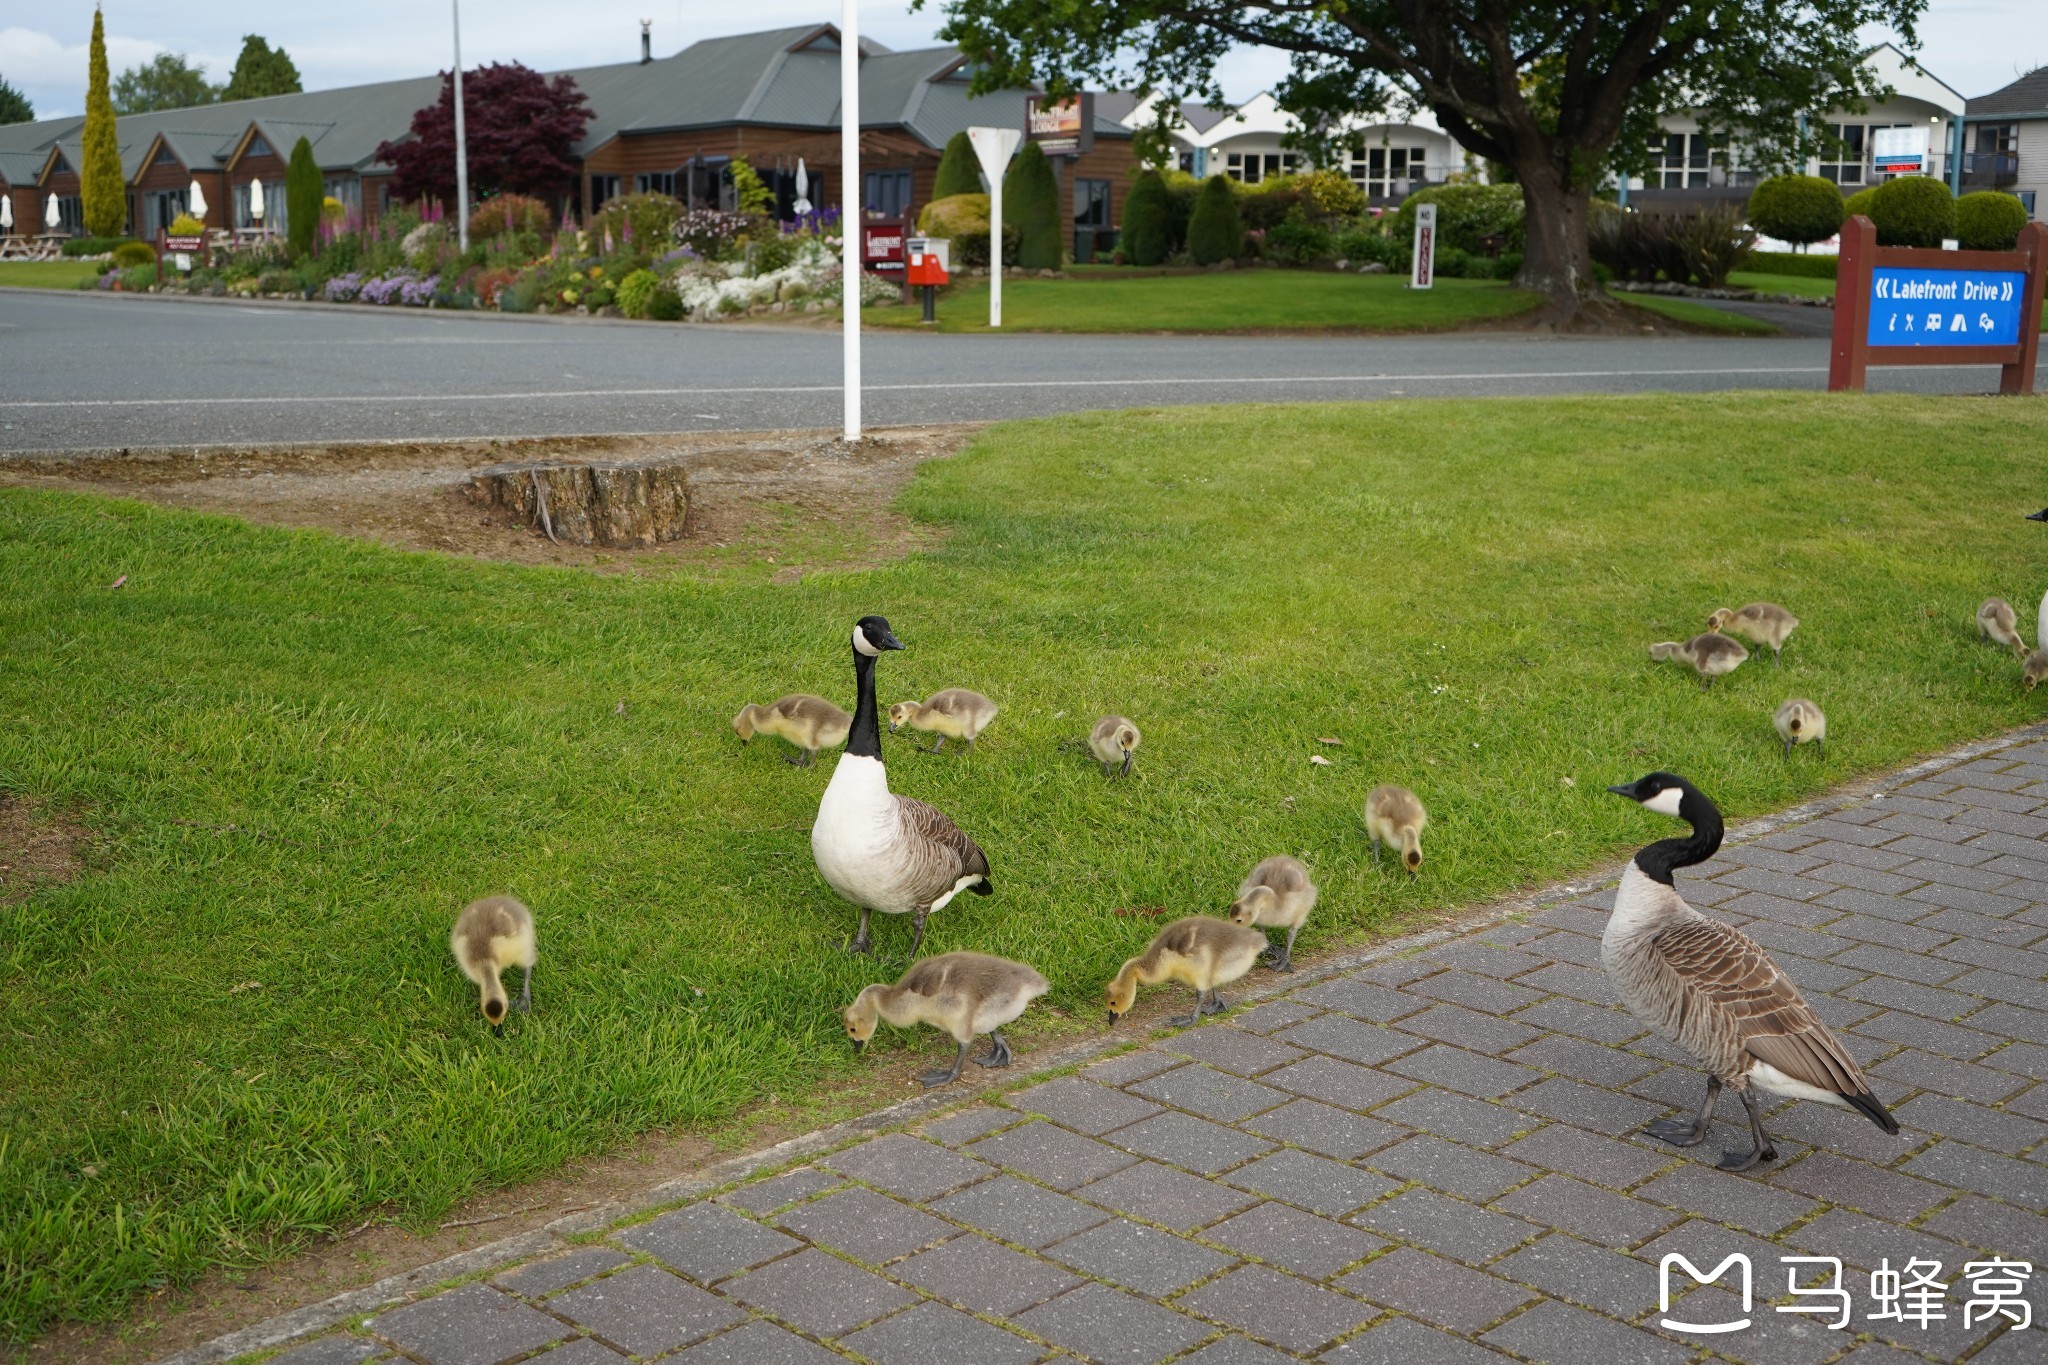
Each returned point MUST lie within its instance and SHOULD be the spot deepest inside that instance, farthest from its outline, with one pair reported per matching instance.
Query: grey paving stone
(1425, 1218)
(818, 1293)
(1477, 955)
(1293, 1240)
(1998, 957)
(1583, 1106)
(1083, 1105)
(1321, 1128)
(1461, 1027)
(1344, 1084)
(2021, 1059)
(1573, 1151)
(1860, 1185)
(646, 1311)
(1772, 1338)
(1756, 855)
(1929, 1002)
(335, 1350)
(757, 1343)
(472, 1325)
(1051, 1155)
(1587, 1211)
(766, 1196)
(1580, 983)
(1785, 938)
(1977, 922)
(2013, 990)
(1580, 918)
(1456, 1069)
(1889, 933)
(1560, 946)
(1311, 1182)
(1400, 1341)
(1269, 1306)
(1170, 1198)
(1996, 1228)
(1018, 1212)
(1857, 872)
(865, 1225)
(1131, 1066)
(1397, 971)
(536, 1278)
(1806, 914)
(1945, 1076)
(1928, 971)
(1237, 1351)
(933, 1334)
(582, 1351)
(1477, 992)
(1557, 1332)
(1947, 874)
(979, 1275)
(2014, 1021)
(1566, 1268)
(907, 1166)
(1478, 1123)
(1272, 1016)
(1102, 1324)
(1728, 1198)
(1980, 1172)
(1137, 1257)
(1211, 1093)
(957, 1130)
(707, 1242)
(1230, 1049)
(1779, 884)
(1352, 1039)
(1864, 1243)
(1450, 1167)
(1812, 975)
(1607, 1066)
(1436, 1290)
(1843, 1132)
(1190, 1143)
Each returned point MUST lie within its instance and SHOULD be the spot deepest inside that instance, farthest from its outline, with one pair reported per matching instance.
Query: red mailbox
(927, 260)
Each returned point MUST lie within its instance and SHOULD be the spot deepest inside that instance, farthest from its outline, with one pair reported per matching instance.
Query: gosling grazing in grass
(1799, 721)
(1114, 741)
(1394, 817)
(964, 994)
(811, 723)
(1997, 623)
(491, 935)
(1278, 894)
(1765, 623)
(1709, 988)
(1711, 654)
(1199, 952)
(2036, 669)
(955, 713)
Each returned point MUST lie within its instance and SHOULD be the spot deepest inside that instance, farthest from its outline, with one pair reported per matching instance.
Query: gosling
(1114, 741)
(2037, 668)
(1279, 894)
(1799, 721)
(491, 935)
(1765, 623)
(962, 993)
(1199, 952)
(811, 723)
(955, 713)
(1997, 623)
(1394, 817)
(1712, 654)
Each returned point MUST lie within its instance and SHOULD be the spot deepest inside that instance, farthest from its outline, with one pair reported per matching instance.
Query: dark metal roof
(2027, 95)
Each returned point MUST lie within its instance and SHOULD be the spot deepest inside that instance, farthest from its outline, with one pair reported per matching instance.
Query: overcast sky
(1974, 45)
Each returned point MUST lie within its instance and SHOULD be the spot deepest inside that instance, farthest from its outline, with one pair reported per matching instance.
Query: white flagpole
(461, 142)
(850, 199)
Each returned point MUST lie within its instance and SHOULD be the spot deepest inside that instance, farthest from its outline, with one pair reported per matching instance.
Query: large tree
(1559, 92)
(102, 189)
(14, 106)
(520, 126)
(261, 70)
(166, 81)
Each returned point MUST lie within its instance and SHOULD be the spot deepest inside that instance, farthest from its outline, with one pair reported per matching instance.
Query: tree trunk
(1556, 262)
(629, 505)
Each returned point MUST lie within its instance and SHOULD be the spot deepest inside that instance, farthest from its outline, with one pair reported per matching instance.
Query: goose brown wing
(1728, 974)
(936, 832)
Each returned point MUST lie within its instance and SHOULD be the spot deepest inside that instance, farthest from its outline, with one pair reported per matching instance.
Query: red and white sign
(1899, 151)
(881, 246)
(1422, 271)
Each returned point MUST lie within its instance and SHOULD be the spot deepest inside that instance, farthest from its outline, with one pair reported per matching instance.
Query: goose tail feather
(1874, 1109)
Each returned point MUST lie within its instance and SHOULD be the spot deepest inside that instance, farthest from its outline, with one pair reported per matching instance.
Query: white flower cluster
(715, 289)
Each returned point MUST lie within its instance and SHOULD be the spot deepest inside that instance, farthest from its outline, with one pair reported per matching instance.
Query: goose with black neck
(1711, 989)
(876, 849)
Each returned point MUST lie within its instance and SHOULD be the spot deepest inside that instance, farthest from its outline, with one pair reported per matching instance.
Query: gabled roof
(2027, 95)
(20, 167)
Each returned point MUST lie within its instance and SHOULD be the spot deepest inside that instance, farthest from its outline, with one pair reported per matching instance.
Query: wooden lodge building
(669, 124)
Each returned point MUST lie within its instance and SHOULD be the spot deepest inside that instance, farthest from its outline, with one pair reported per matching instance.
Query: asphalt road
(79, 371)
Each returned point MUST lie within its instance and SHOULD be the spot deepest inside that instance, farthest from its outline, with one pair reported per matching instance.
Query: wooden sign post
(1910, 306)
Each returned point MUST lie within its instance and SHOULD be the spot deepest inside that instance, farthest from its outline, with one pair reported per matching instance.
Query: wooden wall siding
(28, 210)
(250, 168)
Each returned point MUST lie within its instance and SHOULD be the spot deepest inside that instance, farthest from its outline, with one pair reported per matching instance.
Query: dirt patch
(36, 848)
(800, 501)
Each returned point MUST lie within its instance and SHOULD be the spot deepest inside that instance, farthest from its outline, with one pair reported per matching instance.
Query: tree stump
(627, 505)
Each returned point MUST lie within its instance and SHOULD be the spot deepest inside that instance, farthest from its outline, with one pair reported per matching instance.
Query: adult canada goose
(2036, 669)
(1394, 817)
(955, 713)
(1113, 741)
(491, 935)
(1277, 894)
(1709, 987)
(1765, 623)
(1712, 654)
(811, 723)
(881, 851)
(2041, 616)
(1996, 622)
(1799, 721)
(1198, 951)
(962, 993)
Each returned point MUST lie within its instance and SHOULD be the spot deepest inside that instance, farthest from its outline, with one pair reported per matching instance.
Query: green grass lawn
(300, 755)
(1229, 301)
(1805, 286)
(47, 274)
(1698, 315)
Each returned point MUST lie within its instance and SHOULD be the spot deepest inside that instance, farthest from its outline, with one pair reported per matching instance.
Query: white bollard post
(994, 147)
(850, 200)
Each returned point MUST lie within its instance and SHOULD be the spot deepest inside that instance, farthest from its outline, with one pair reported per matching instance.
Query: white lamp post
(461, 141)
(994, 147)
(850, 203)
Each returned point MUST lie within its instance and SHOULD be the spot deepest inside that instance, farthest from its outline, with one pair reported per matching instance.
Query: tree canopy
(166, 81)
(261, 70)
(14, 106)
(520, 127)
(1560, 95)
(102, 191)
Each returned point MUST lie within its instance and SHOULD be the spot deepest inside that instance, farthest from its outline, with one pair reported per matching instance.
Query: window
(160, 208)
(1252, 167)
(1684, 163)
(655, 182)
(273, 219)
(165, 156)
(347, 191)
(1844, 163)
(887, 193)
(2027, 201)
(70, 215)
(258, 147)
(602, 188)
(1187, 162)
(1387, 172)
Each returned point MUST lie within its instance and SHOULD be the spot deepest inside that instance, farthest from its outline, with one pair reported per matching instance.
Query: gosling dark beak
(1113, 1017)
(860, 1045)
(1128, 757)
(497, 1030)
(892, 727)
(2041, 515)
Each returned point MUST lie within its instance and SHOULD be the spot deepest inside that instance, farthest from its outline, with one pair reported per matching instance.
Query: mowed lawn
(219, 1039)
(47, 274)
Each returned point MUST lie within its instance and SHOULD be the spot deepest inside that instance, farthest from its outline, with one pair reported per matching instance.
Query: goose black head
(2041, 515)
(1665, 793)
(871, 635)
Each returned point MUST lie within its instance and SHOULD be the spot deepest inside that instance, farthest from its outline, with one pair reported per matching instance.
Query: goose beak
(1113, 1017)
(2041, 515)
(888, 641)
(892, 727)
(860, 1045)
(497, 1030)
(1627, 790)
(1128, 758)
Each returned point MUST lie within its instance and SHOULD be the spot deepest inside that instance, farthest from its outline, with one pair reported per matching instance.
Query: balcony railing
(1991, 168)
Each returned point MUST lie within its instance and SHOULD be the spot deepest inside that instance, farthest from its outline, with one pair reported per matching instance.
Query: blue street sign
(1945, 307)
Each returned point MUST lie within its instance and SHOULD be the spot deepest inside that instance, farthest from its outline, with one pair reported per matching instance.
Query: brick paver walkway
(1434, 1159)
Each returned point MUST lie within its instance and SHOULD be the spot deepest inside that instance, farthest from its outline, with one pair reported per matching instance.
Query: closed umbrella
(802, 205)
(256, 200)
(6, 213)
(195, 201)
(50, 214)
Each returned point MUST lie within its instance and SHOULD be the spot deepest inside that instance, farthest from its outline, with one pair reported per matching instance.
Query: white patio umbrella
(802, 205)
(195, 201)
(6, 213)
(256, 200)
(50, 215)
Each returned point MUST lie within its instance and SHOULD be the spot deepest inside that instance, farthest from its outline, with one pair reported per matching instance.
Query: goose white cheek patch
(861, 645)
(1665, 802)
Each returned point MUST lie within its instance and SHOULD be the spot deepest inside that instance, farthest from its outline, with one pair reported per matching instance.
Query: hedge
(1147, 233)
(1989, 220)
(1216, 231)
(1797, 208)
(1793, 263)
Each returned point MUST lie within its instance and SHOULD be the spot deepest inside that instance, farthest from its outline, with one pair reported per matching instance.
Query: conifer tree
(101, 188)
(959, 169)
(1216, 230)
(302, 198)
(1031, 204)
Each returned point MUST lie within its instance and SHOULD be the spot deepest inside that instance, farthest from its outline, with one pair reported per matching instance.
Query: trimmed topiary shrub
(1859, 202)
(1989, 220)
(962, 219)
(302, 196)
(131, 254)
(959, 169)
(1216, 229)
(1913, 210)
(1147, 232)
(1797, 208)
(1031, 204)
(636, 291)
(1478, 218)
